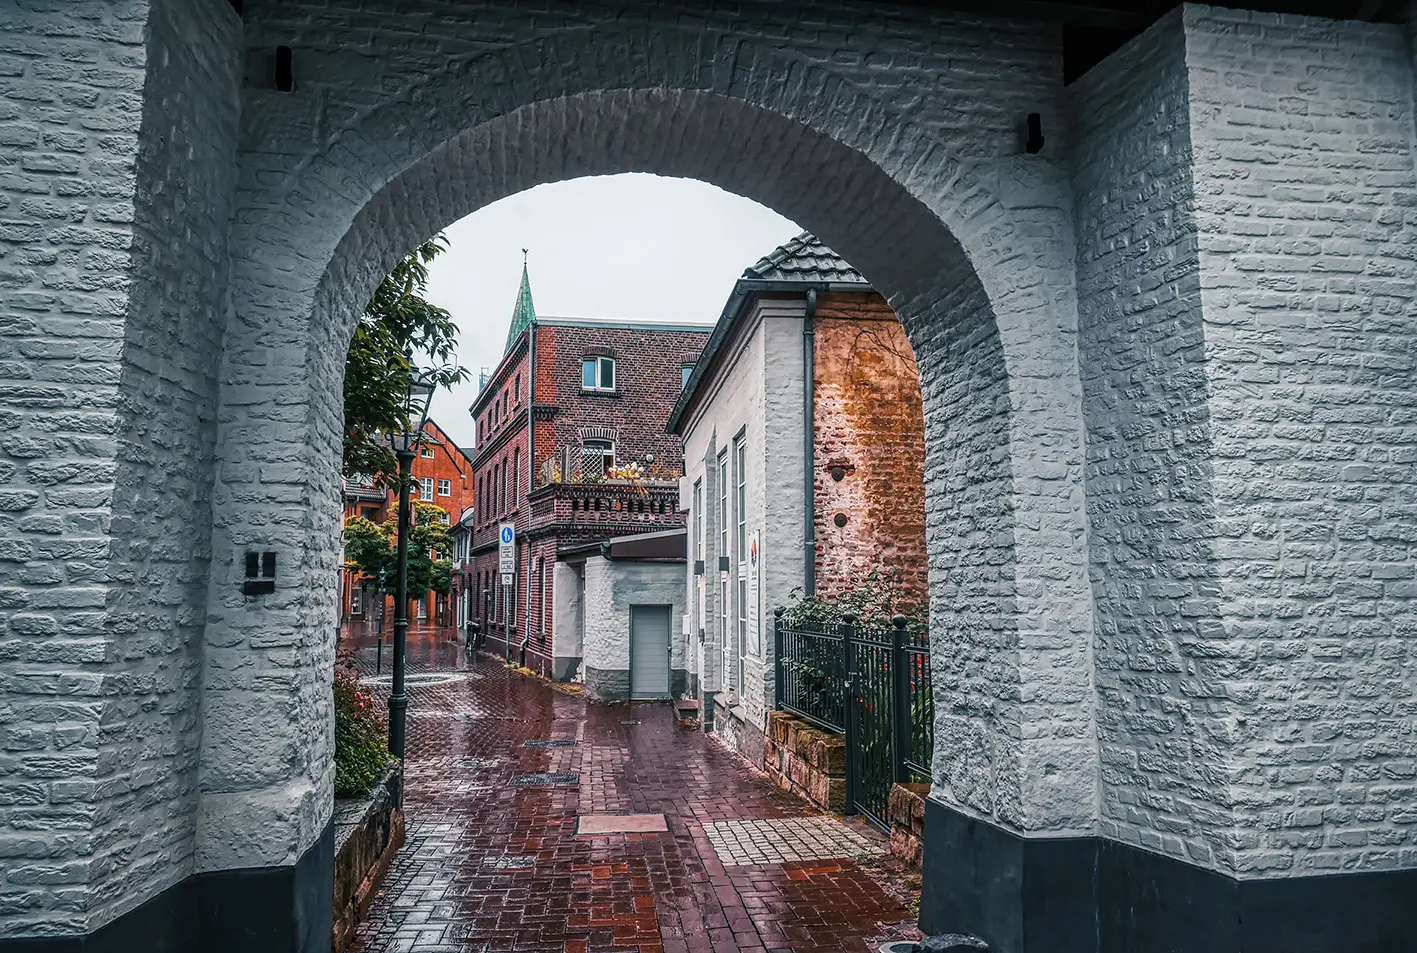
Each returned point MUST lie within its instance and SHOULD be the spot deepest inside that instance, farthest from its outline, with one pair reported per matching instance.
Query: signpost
(506, 551)
(507, 566)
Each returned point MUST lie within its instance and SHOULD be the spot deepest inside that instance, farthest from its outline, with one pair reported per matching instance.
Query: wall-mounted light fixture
(1034, 144)
(285, 69)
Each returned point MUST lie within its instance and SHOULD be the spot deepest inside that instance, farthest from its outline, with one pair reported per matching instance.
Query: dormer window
(598, 373)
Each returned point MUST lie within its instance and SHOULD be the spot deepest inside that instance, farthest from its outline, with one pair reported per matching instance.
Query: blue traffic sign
(507, 532)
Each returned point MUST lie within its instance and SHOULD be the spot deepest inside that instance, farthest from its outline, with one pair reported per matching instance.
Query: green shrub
(361, 754)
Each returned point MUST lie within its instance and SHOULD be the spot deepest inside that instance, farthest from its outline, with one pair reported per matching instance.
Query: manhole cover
(416, 680)
(509, 863)
(551, 743)
(537, 780)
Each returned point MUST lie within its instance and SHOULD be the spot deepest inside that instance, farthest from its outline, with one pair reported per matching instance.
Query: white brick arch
(972, 245)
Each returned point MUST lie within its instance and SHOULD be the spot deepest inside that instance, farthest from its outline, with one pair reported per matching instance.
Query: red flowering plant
(361, 754)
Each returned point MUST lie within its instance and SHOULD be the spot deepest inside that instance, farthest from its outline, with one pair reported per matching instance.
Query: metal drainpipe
(531, 466)
(809, 424)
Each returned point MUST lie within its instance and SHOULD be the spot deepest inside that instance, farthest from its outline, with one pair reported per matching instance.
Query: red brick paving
(451, 889)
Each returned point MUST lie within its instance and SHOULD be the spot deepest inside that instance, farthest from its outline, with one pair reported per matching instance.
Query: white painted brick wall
(1302, 137)
(612, 587)
(115, 189)
(1245, 270)
(1150, 499)
(758, 391)
(896, 139)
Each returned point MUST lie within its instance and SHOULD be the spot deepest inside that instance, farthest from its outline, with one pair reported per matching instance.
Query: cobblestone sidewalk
(493, 867)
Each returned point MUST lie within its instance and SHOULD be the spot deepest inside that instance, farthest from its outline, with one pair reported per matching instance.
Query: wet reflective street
(501, 768)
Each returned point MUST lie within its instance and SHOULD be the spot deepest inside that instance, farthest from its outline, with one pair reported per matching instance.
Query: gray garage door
(649, 651)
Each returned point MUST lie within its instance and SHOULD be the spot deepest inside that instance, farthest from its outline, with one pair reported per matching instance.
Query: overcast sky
(624, 247)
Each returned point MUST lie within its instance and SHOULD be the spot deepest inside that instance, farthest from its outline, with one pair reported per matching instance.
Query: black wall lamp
(285, 69)
(1034, 144)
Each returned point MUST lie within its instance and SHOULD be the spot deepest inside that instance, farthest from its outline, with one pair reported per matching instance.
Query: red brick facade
(870, 432)
(550, 510)
(441, 467)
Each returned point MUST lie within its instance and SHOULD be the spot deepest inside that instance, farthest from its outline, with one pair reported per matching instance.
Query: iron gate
(873, 687)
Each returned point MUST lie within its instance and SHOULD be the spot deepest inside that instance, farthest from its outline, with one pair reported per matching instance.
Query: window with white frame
(685, 372)
(598, 373)
(445, 487)
(740, 545)
(425, 485)
(725, 627)
(428, 453)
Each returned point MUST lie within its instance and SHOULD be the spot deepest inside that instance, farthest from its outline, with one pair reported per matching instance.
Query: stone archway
(971, 242)
(250, 222)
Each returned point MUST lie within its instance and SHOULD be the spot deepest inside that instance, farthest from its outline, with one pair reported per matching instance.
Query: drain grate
(506, 862)
(538, 780)
(551, 743)
(630, 721)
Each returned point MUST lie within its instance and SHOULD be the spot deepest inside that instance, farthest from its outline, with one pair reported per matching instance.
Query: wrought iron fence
(872, 687)
(811, 664)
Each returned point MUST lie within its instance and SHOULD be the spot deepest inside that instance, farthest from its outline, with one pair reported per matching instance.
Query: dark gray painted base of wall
(607, 684)
(270, 909)
(1090, 895)
(564, 668)
(678, 682)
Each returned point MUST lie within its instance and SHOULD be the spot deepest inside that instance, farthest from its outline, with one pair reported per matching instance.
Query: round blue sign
(506, 534)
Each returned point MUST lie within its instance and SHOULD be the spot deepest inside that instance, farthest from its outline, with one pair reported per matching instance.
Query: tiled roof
(804, 258)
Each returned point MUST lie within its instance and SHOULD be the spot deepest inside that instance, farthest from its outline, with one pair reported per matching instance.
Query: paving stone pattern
(786, 839)
(489, 868)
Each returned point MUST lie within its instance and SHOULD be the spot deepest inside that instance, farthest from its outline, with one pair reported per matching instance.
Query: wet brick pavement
(493, 868)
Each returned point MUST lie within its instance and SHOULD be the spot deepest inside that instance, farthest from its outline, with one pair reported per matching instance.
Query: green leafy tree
(396, 324)
(370, 547)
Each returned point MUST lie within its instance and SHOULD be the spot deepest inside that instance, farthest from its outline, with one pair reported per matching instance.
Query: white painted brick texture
(895, 139)
(115, 190)
(1302, 138)
(1248, 463)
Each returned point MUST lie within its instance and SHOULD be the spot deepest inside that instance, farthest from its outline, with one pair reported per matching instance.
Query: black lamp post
(405, 446)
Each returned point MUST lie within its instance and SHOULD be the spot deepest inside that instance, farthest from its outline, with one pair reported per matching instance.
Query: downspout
(809, 468)
(530, 465)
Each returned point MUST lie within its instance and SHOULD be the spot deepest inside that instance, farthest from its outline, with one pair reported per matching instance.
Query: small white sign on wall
(755, 571)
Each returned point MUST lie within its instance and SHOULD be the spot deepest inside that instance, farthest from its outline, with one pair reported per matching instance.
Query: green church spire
(524, 314)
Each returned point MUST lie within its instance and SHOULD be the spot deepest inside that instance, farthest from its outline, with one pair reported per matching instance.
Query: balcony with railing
(583, 485)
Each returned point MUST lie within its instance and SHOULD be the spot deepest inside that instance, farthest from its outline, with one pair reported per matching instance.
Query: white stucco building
(751, 484)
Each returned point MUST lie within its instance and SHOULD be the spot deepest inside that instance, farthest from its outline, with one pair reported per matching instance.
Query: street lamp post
(405, 447)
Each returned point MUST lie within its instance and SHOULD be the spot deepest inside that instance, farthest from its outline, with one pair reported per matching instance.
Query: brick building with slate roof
(819, 473)
(571, 448)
